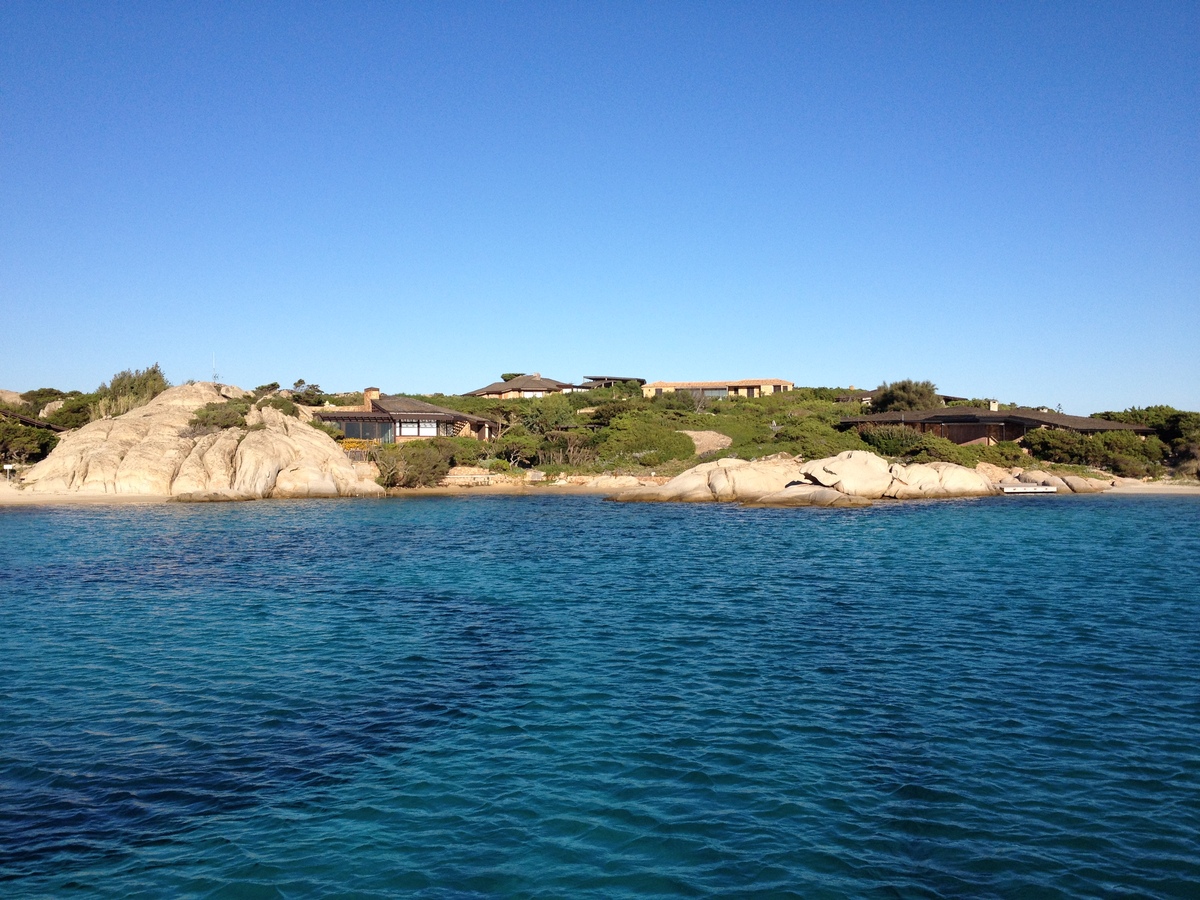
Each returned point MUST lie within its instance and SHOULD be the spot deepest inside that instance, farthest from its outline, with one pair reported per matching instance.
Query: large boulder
(1080, 485)
(151, 451)
(914, 482)
(856, 472)
(994, 474)
(811, 495)
(959, 481)
(725, 480)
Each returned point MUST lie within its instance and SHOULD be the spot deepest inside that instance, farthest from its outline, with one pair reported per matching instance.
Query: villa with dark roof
(391, 420)
(523, 386)
(975, 425)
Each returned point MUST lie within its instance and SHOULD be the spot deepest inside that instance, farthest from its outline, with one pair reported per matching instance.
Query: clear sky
(1002, 198)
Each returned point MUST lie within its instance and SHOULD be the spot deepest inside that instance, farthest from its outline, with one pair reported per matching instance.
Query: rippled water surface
(564, 697)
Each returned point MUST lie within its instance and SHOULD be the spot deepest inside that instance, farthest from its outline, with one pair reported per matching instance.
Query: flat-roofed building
(746, 387)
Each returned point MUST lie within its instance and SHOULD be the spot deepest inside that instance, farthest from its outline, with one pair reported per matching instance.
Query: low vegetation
(618, 430)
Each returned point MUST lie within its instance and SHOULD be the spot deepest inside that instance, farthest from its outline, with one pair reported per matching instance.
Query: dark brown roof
(521, 383)
(1021, 416)
(604, 380)
(390, 408)
(33, 423)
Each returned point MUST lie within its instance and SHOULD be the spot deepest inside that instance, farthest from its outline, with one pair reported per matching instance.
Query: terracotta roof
(1022, 416)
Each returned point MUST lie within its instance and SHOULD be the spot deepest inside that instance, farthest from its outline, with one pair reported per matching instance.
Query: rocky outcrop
(12, 398)
(151, 451)
(853, 478)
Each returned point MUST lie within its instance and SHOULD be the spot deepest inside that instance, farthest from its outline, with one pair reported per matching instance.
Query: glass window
(427, 429)
(408, 429)
(354, 430)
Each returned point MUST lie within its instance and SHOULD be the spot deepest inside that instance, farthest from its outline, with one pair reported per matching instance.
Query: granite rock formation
(152, 451)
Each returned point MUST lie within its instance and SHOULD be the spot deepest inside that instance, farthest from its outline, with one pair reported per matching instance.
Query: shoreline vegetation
(136, 439)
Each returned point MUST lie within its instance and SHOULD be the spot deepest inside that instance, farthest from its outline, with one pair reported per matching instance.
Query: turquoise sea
(563, 697)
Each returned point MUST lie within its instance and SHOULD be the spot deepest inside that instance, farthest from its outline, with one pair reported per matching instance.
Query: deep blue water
(498, 696)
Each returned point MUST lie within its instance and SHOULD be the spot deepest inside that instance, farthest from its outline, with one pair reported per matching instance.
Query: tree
(22, 443)
(509, 376)
(907, 394)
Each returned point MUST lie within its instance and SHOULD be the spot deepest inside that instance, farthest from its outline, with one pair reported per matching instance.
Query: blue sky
(1004, 199)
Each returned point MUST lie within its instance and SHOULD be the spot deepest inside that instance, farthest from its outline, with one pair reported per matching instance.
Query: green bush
(648, 442)
(1122, 452)
(932, 448)
(332, 430)
(283, 404)
(890, 440)
(219, 415)
(907, 394)
(24, 443)
(518, 448)
(812, 437)
(75, 412)
(425, 464)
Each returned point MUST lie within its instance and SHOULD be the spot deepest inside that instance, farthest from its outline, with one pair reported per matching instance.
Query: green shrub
(332, 430)
(24, 443)
(75, 411)
(812, 437)
(932, 448)
(890, 440)
(649, 443)
(424, 464)
(219, 415)
(1122, 452)
(907, 394)
(1005, 454)
(283, 404)
(37, 399)
(517, 447)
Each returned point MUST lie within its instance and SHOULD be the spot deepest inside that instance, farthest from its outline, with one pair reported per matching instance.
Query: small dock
(1028, 489)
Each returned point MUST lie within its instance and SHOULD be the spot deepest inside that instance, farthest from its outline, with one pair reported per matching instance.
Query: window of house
(409, 429)
(427, 428)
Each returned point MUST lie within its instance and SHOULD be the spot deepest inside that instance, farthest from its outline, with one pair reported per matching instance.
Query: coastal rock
(856, 472)
(852, 478)
(12, 398)
(150, 451)
(994, 474)
(613, 482)
(753, 480)
(914, 482)
(1080, 485)
(51, 408)
(723, 480)
(811, 495)
(1034, 476)
(959, 481)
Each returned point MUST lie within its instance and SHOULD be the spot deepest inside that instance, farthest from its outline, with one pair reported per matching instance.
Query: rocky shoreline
(854, 478)
(153, 454)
